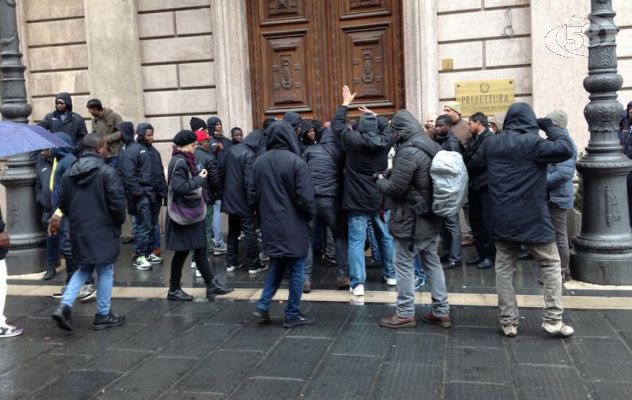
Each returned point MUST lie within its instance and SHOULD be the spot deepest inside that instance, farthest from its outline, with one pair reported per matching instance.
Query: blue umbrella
(22, 138)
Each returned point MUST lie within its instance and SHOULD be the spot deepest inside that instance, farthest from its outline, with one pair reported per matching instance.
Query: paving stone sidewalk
(216, 350)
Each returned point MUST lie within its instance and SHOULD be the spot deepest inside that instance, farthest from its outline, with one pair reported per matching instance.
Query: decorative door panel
(303, 51)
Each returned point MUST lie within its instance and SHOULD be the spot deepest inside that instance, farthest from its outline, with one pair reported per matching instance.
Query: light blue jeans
(218, 239)
(105, 280)
(357, 223)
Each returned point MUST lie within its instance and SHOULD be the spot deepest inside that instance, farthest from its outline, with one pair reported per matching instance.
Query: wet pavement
(216, 350)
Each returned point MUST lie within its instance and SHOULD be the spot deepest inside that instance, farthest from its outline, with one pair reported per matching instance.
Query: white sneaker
(142, 264)
(509, 330)
(198, 274)
(558, 329)
(193, 265)
(358, 290)
(154, 259)
(390, 281)
(232, 268)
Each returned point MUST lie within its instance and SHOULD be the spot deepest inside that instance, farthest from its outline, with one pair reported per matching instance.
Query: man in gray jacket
(414, 227)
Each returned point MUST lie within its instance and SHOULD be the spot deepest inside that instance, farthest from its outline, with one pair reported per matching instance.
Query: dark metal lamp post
(603, 249)
(27, 253)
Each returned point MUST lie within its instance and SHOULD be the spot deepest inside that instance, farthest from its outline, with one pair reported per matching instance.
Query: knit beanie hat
(454, 105)
(559, 118)
(498, 119)
(184, 138)
(201, 135)
(197, 124)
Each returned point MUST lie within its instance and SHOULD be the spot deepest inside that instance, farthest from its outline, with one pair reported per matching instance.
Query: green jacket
(105, 128)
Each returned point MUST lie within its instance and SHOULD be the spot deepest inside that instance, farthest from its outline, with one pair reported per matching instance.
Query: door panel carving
(285, 62)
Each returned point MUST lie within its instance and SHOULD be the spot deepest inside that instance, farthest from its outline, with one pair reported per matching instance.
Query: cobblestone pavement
(216, 350)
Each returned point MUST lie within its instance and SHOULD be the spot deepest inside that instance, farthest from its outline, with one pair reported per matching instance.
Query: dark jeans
(65, 247)
(559, 221)
(451, 237)
(201, 259)
(146, 216)
(278, 265)
(479, 217)
(328, 213)
(237, 224)
(52, 250)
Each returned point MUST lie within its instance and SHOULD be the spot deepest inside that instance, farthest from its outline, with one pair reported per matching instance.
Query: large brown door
(303, 51)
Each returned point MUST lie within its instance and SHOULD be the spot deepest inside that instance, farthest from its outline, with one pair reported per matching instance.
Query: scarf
(190, 158)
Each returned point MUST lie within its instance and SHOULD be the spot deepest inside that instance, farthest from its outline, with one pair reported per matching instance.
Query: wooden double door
(303, 51)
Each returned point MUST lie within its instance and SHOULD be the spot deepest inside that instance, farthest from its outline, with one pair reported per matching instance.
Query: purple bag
(188, 209)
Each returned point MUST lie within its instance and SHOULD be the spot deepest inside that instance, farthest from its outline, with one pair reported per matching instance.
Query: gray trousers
(549, 260)
(559, 221)
(404, 259)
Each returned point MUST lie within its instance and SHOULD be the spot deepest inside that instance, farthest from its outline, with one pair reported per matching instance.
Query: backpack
(449, 183)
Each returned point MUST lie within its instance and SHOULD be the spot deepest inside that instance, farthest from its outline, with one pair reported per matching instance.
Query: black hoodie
(239, 163)
(157, 169)
(283, 193)
(325, 162)
(135, 168)
(69, 122)
(93, 200)
(214, 139)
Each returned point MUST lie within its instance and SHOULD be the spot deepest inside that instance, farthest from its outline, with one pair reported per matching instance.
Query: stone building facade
(163, 61)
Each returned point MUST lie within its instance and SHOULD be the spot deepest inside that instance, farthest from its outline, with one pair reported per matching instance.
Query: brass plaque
(447, 64)
(489, 97)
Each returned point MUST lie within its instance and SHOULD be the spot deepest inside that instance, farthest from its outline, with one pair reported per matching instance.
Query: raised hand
(366, 110)
(347, 96)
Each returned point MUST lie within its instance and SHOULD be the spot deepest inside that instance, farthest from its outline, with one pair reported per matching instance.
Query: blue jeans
(105, 279)
(155, 236)
(278, 265)
(419, 272)
(52, 250)
(375, 249)
(144, 222)
(357, 222)
(217, 224)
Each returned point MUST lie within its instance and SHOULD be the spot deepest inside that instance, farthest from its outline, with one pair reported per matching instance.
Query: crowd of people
(294, 183)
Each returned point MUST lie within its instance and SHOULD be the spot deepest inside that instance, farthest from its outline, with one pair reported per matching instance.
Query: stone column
(114, 58)
(553, 26)
(232, 66)
(421, 57)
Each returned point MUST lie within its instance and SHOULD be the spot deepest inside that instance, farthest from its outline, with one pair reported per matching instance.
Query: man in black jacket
(366, 152)
(451, 226)
(6, 330)
(93, 199)
(43, 196)
(64, 120)
(326, 161)
(478, 194)
(413, 225)
(221, 145)
(136, 170)
(283, 193)
(517, 162)
(239, 163)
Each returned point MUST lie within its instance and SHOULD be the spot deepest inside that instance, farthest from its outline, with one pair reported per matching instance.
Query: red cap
(201, 135)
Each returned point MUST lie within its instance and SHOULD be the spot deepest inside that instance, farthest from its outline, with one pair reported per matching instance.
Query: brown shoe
(468, 242)
(343, 282)
(396, 322)
(156, 252)
(430, 318)
(307, 287)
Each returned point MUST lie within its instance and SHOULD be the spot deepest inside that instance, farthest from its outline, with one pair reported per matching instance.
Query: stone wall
(624, 47)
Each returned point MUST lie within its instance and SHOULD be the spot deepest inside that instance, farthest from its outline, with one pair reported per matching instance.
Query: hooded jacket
(559, 180)
(240, 160)
(106, 127)
(43, 194)
(65, 158)
(366, 154)
(475, 162)
(158, 180)
(214, 139)
(213, 183)
(517, 162)
(93, 200)
(283, 193)
(135, 167)
(326, 162)
(409, 185)
(68, 122)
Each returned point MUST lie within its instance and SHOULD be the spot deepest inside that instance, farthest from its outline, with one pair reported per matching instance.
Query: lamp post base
(602, 268)
(25, 261)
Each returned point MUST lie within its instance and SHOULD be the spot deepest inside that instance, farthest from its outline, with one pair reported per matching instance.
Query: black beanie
(197, 124)
(184, 138)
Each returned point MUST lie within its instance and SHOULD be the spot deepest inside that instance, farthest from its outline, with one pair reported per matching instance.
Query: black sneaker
(216, 289)
(179, 295)
(63, 317)
(258, 269)
(263, 315)
(50, 273)
(60, 294)
(300, 319)
(107, 321)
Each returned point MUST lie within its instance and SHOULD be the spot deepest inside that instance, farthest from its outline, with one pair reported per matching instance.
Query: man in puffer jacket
(413, 225)
(326, 161)
(559, 183)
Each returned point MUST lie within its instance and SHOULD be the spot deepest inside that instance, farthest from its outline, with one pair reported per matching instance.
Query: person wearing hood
(135, 166)
(366, 155)
(625, 138)
(104, 122)
(185, 180)
(212, 184)
(145, 137)
(239, 163)
(93, 200)
(459, 126)
(326, 162)
(496, 123)
(559, 183)
(478, 193)
(282, 192)
(413, 225)
(294, 119)
(451, 232)
(517, 162)
(43, 197)
(221, 145)
(63, 119)
(308, 133)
